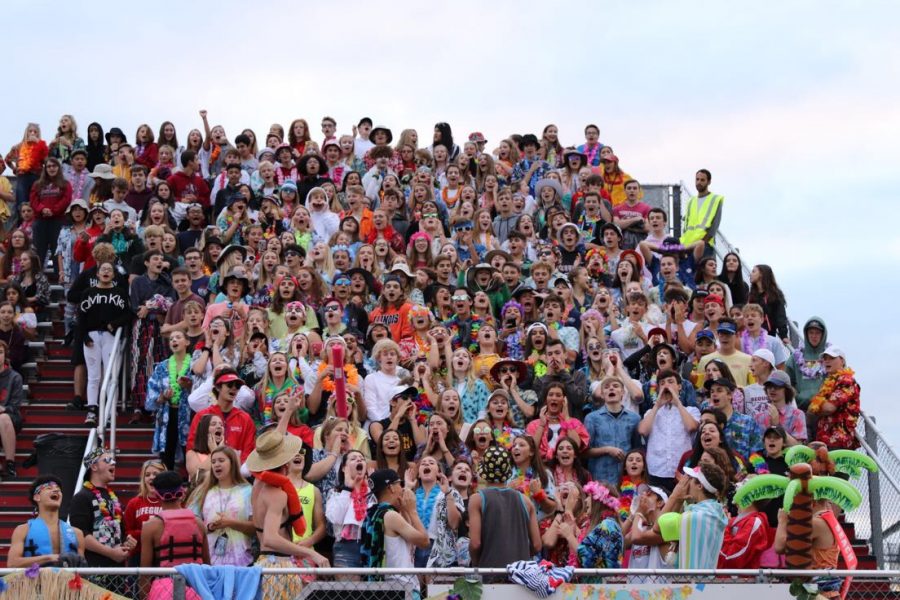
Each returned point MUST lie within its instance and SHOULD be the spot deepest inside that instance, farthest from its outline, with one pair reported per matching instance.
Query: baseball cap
(706, 334)
(382, 478)
(766, 355)
(778, 378)
(834, 352)
(777, 430)
(726, 327)
(720, 381)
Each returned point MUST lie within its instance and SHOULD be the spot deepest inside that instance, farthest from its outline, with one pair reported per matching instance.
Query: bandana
(94, 457)
(496, 466)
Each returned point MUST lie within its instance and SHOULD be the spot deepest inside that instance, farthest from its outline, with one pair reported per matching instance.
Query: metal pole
(675, 216)
(178, 587)
(876, 539)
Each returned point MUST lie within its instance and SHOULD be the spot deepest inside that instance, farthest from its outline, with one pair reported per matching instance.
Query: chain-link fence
(878, 517)
(414, 584)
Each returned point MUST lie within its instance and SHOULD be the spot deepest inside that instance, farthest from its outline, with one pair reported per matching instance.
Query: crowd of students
(533, 364)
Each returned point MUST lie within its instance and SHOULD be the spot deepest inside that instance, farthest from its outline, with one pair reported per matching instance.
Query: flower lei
(350, 373)
(842, 377)
(521, 479)
(600, 493)
(453, 325)
(176, 373)
(424, 408)
(360, 498)
(425, 506)
(503, 436)
(626, 497)
(539, 366)
(652, 390)
(810, 369)
(760, 467)
(749, 346)
(26, 158)
(116, 514)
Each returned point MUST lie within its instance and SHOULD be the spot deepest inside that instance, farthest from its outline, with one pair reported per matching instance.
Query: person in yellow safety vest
(703, 214)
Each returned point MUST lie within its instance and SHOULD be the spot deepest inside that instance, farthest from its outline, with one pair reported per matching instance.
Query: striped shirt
(702, 531)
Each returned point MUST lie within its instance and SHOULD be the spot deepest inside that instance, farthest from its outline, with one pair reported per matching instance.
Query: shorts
(278, 587)
(346, 555)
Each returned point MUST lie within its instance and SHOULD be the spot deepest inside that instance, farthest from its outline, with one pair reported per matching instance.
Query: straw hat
(273, 450)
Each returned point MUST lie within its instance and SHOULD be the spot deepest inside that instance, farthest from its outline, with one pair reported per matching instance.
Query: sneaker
(91, 419)
(77, 403)
(10, 471)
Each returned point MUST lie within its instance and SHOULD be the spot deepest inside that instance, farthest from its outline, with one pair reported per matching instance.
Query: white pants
(96, 358)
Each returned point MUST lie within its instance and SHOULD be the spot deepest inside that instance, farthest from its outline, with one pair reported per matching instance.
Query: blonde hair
(382, 345)
(144, 489)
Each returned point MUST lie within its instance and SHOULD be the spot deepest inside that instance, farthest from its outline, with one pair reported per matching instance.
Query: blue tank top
(37, 540)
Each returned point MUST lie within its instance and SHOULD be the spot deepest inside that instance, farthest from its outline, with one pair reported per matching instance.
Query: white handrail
(95, 435)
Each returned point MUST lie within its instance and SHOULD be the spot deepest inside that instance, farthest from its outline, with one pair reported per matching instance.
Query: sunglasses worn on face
(430, 215)
(464, 228)
(481, 430)
(332, 308)
(508, 370)
(232, 385)
(459, 298)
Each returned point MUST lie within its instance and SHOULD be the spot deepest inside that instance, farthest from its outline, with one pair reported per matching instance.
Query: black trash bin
(61, 455)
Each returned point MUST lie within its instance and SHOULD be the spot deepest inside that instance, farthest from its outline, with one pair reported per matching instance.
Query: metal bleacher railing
(491, 584)
(112, 393)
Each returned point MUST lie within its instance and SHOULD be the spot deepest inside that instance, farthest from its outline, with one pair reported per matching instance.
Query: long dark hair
(161, 138)
(381, 459)
(581, 473)
(766, 286)
(727, 277)
(446, 138)
(537, 463)
(201, 444)
(698, 450)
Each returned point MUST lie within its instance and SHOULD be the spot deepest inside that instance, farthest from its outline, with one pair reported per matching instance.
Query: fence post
(178, 587)
(876, 539)
(675, 215)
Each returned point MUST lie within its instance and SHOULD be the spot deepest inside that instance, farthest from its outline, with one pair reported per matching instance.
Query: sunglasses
(430, 215)
(342, 282)
(593, 347)
(332, 308)
(508, 370)
(232, 385)
(481, 430)
(459, 298)
(464, 228)
(109, 460)
(290, 253)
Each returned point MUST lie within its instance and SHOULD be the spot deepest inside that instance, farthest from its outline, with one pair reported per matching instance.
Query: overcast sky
(793, 106)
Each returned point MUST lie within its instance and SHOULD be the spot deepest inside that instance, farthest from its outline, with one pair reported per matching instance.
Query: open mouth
(482, 439)
(426, 471)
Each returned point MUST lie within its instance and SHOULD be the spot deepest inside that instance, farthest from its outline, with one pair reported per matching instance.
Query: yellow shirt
(738, 363)
(487, 361)
(6, 207)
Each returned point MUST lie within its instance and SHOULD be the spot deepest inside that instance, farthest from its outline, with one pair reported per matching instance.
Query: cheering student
(44, 539)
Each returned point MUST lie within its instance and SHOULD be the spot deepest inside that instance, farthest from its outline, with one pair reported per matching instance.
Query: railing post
(675, 215)
(876, 539)
(178, 587)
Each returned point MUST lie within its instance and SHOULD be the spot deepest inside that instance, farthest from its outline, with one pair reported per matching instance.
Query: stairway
(48, 380)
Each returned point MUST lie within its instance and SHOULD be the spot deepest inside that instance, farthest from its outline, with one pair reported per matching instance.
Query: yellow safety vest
(695, 224)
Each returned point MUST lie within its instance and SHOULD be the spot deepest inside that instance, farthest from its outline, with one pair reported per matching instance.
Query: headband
(697, 474)
(600, 493)
(44, 486)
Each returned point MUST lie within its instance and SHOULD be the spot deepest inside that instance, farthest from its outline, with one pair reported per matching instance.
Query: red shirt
(240, 431)
(137, 512)
(53, 197)
(182, 184)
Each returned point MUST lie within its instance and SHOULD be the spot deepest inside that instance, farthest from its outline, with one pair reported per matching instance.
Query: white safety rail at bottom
(437, 584)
